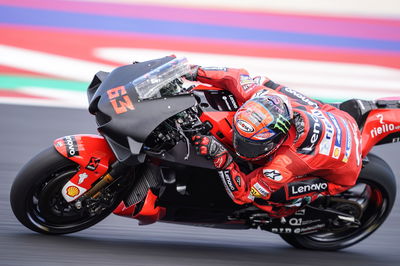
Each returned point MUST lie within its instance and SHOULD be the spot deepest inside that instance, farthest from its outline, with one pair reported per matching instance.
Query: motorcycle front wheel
(38, 204)
(374, 192)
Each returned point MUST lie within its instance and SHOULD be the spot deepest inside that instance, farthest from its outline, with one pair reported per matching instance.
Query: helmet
(261, 125)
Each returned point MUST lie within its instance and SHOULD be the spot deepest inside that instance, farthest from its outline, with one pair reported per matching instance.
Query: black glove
(192, 75)
(210, 147)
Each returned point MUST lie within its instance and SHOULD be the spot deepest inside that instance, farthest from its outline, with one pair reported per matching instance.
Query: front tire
(38, 204)
(375, 191)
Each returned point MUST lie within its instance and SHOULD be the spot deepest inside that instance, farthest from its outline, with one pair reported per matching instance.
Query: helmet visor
(254, 149)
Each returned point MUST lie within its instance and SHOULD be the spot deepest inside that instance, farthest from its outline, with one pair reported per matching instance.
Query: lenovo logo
(71, 146)
(297, 189)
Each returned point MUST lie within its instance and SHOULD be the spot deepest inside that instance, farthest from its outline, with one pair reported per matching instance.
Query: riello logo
(376, 131)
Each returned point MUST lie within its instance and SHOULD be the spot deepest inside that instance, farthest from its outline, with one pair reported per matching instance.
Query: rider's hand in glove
(192, 75)
(210, 147)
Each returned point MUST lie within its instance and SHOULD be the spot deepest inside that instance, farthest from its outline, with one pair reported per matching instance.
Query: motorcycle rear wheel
(36, 198)
(375, 191)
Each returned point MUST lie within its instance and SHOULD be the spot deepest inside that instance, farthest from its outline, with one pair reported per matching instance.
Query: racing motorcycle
(143, 166)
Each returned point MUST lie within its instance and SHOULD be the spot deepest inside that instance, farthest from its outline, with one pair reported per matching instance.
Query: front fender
(92, 154)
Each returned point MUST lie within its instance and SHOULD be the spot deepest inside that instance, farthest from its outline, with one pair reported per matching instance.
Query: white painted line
(49, 64)
(40, 102)
(318, 78)
(72, 98)
(314, 78)
(370, 8)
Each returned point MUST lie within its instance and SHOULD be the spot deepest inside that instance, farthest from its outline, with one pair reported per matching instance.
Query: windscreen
(150, 84)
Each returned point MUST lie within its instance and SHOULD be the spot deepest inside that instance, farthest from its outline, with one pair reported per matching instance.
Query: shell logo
(72, 191)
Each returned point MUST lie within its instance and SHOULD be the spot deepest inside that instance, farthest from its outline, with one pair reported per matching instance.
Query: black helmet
(261, 125)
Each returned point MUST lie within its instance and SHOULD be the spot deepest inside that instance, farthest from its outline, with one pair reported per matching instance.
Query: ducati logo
(245, 126)
(82, 178)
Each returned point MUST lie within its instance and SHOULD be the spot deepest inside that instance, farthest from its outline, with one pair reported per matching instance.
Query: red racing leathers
(321, 155)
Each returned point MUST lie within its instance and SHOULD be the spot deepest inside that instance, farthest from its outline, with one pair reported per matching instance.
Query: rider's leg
(296, 194)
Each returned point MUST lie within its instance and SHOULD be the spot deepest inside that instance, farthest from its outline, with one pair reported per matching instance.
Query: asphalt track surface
(25, 130)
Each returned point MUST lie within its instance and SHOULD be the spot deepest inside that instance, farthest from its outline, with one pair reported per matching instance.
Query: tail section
(381, 126)
(379, 121)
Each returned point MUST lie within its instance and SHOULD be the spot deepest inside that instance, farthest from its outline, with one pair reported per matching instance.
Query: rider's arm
(260, 183)
(295, 95)
(234, 180)
(237, 81)
(264, 181)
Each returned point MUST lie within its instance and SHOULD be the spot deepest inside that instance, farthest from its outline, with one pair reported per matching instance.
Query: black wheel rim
(374, 202)
(48, 210)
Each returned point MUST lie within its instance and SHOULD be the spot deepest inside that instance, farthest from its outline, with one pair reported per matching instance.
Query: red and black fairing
(216, 109)
(181, 196)
(92, 154)
(378, 120)
(126, 124)
(382, 126)
(123, 119)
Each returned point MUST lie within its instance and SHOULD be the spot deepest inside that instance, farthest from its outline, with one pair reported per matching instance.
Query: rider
(302, 148)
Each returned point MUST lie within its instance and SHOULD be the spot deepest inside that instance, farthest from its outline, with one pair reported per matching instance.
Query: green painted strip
(17, 82)
(330, 100)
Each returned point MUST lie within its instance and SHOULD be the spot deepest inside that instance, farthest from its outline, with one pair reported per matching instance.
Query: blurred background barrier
(331, 50)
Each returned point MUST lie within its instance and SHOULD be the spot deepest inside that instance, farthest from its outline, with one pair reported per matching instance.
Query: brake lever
(180, 130)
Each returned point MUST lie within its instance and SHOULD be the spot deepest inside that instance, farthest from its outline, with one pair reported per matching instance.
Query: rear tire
(36, 198)
(377, 178)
